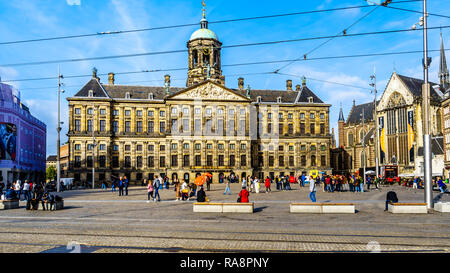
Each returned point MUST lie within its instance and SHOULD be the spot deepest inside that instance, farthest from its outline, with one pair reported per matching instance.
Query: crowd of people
(32, 193)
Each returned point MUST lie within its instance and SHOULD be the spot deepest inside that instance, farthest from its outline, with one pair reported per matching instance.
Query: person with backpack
(201, 195)
(391, 197)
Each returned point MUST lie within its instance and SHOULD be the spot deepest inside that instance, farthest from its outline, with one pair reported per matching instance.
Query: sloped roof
(159, 93)
(356, 113)
(415, 86)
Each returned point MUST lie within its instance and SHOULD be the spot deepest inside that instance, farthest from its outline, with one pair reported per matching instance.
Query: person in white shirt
(312, 189)
(18, 188)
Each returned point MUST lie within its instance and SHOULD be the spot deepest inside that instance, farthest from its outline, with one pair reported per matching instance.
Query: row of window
(197, 111)
(174, 146)
(186, 161)
(162, 161)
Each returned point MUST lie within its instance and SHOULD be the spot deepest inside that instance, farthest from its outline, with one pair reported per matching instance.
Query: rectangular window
(232, 146)
(102, 147)
(174, 146)
(90, 125)
(290, 129)
(162, 127)
(198, 146)
(271, 161)
(280, 128)
(139, 113)
(186, 161)
(115, 112)
(89, 161)
(102, 112)
(127, 113)
(303, 161)
(209, 160)
(174, 161)
(186, 127)
(312, 129)
(322, 128)
(139, 162)
(151, 148)
(151, 127)
(102, 161)
(323, 161)
(186, 146)
(209, 146)
(127, 126)
(197, 125)
(198, 160)
(221, 160)
(220, 146)
(139, 126)
(281, 161)
(77, 111)
(77, 125)
(162, 114)
(291, 161)
(269, 128)
(115, 162)
(162, 148)
(151, 162)
(77, 161)
(127, 148)
(174, 125)
(162, 162)
(243, 160)
(115, 126)
(232, 161)
(127, 162)
(151, 113)
(115, 148)
(139, 148)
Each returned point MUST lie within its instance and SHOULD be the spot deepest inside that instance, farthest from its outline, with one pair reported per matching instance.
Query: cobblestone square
(101, 221)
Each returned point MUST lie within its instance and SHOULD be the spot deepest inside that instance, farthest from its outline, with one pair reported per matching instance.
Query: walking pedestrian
(26, 191)
(17, 187)
(227, 187)
(156, 184)
(125, 185)
(121, 184)
(177, 187)
(267, 184)
(277, 181)
(312, 189)
(184, 191)
(113, 185)
(149, 191)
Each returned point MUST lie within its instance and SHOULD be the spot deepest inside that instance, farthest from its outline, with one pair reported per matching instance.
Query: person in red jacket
(267, 184)
(243, 195)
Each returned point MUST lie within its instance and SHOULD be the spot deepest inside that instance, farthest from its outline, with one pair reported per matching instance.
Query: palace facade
(140, 131)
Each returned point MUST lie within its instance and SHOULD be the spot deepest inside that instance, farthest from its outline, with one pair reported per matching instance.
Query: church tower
(341, 123)
(204, 55)
(444, 77)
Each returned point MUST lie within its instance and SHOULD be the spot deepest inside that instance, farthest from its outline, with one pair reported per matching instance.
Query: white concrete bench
(224, 207)
(59, 205)
(9, 204)
(442, 207)
(322, 208)
(407, 208)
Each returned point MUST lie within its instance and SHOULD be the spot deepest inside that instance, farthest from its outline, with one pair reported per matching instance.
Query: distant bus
(390, 171)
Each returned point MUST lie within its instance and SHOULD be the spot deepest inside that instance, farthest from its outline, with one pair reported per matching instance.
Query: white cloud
(73, 2)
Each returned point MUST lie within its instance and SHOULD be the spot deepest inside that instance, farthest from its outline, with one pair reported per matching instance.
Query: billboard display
(8, 139)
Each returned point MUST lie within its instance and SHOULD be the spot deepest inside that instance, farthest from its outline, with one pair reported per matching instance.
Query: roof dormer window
(310, 99)
(91, 93)
(150, 96)
(279, 100)
(127, 95)
(258, 99)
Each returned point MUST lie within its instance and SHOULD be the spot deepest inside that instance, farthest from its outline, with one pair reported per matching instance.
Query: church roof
(415, 87)
(355, 115)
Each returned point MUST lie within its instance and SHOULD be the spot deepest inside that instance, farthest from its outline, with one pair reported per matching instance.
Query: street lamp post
(93, 149)
(377, 130)
(58, 130)
(426, 115)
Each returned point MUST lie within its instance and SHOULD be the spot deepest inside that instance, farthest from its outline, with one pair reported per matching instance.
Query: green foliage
(51, 173)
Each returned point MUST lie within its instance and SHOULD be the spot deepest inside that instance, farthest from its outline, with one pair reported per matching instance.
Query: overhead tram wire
(109, 33)
(223, 47)
(239, 64)
(408, 10)
(340, 34)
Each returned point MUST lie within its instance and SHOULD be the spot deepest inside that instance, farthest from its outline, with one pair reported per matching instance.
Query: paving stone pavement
(102, 222)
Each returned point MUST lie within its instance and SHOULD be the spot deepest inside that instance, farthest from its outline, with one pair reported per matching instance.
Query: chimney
(111, 78)
(241, 83)
(94, 73)
(289, 85)
(298, 87)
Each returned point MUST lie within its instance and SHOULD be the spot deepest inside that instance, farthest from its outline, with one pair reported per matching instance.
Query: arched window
(350, 139)
(195, 57)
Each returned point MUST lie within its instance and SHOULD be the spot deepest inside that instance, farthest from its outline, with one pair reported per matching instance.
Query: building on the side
(64, 160)
(444, 79)
(22, 139)
(356, 140)
(181, 132)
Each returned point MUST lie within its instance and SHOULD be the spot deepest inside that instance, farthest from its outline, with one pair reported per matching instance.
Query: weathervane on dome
(204, 8)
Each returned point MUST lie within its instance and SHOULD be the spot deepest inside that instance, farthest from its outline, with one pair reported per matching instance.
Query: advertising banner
(411, 135)
(8, 139)
(382, 139)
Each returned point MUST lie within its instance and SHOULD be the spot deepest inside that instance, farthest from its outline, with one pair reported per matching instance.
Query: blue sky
(31, 19)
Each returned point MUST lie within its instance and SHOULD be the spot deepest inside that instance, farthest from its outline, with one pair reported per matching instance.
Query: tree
(51, 173)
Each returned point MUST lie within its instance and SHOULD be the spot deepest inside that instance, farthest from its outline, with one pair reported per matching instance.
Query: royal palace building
(140, 132)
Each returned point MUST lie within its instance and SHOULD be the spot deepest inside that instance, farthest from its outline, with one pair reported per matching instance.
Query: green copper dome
(204, 33)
